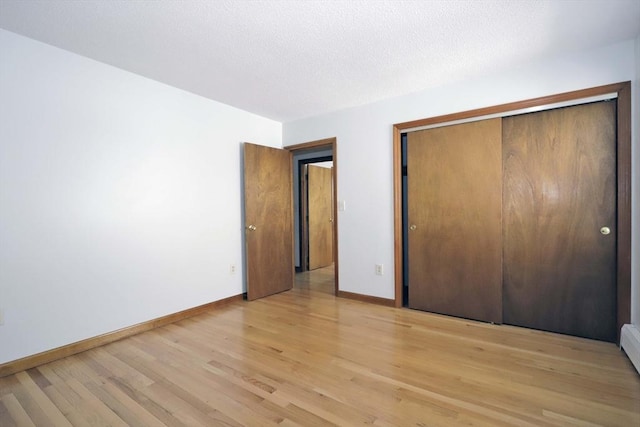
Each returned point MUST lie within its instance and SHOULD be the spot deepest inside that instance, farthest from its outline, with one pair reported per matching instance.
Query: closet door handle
(413, 227)
(605, 230)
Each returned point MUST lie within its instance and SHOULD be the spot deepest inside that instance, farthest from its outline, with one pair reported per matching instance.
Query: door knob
(413, 227)
(251, 227)
(605, 230)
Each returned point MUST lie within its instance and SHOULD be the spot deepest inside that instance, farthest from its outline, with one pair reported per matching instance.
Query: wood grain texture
(398, 238)
(320, 216)
(559, 190)
(303, 218)
(307, 358)
(268, 203)
(623, 90)
(80, 346)
(455, 200)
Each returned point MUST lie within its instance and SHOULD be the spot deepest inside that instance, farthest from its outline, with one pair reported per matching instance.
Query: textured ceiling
(291, 59)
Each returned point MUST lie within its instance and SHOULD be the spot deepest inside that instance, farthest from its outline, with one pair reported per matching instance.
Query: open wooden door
(320, 212)
(268, 203)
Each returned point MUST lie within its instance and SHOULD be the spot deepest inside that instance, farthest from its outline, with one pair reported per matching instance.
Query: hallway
(320, 280)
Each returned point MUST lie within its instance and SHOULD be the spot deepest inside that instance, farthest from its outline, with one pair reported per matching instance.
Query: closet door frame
(623, 92)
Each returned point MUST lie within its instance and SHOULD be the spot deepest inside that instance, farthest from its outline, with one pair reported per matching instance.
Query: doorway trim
(328, 143)
(623, 259)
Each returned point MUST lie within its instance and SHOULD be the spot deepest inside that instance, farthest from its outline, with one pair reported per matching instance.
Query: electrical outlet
(232, 269)
(1, 316)
(379, 269)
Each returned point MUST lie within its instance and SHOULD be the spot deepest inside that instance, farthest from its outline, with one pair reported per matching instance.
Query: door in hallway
(319, 185)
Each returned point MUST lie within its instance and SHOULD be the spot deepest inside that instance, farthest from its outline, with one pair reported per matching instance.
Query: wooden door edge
(303, 206)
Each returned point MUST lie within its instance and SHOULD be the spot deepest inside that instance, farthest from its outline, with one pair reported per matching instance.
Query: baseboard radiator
(630, 343)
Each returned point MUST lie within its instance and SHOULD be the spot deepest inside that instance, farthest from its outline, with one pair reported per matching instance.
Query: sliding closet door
(559, 220)
(454, 207)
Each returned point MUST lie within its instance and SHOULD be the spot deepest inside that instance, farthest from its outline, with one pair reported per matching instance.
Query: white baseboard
(630, 343)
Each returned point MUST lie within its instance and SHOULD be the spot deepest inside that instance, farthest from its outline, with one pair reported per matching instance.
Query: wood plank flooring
(306, 358)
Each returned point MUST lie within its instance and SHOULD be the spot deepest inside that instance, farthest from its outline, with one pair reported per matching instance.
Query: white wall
(119, 197)
(364, 136)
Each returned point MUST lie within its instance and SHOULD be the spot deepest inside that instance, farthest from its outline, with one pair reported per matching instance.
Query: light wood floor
(320, 280)
(306, 358)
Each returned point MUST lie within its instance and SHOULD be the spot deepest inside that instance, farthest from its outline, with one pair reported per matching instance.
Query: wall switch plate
(1, 316)
(379, 269)
(342, 205)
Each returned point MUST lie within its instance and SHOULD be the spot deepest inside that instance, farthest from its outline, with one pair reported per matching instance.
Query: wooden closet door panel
(559, 190)
(454, 206)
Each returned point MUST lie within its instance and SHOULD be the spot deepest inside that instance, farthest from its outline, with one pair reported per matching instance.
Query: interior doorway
(324, 276)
